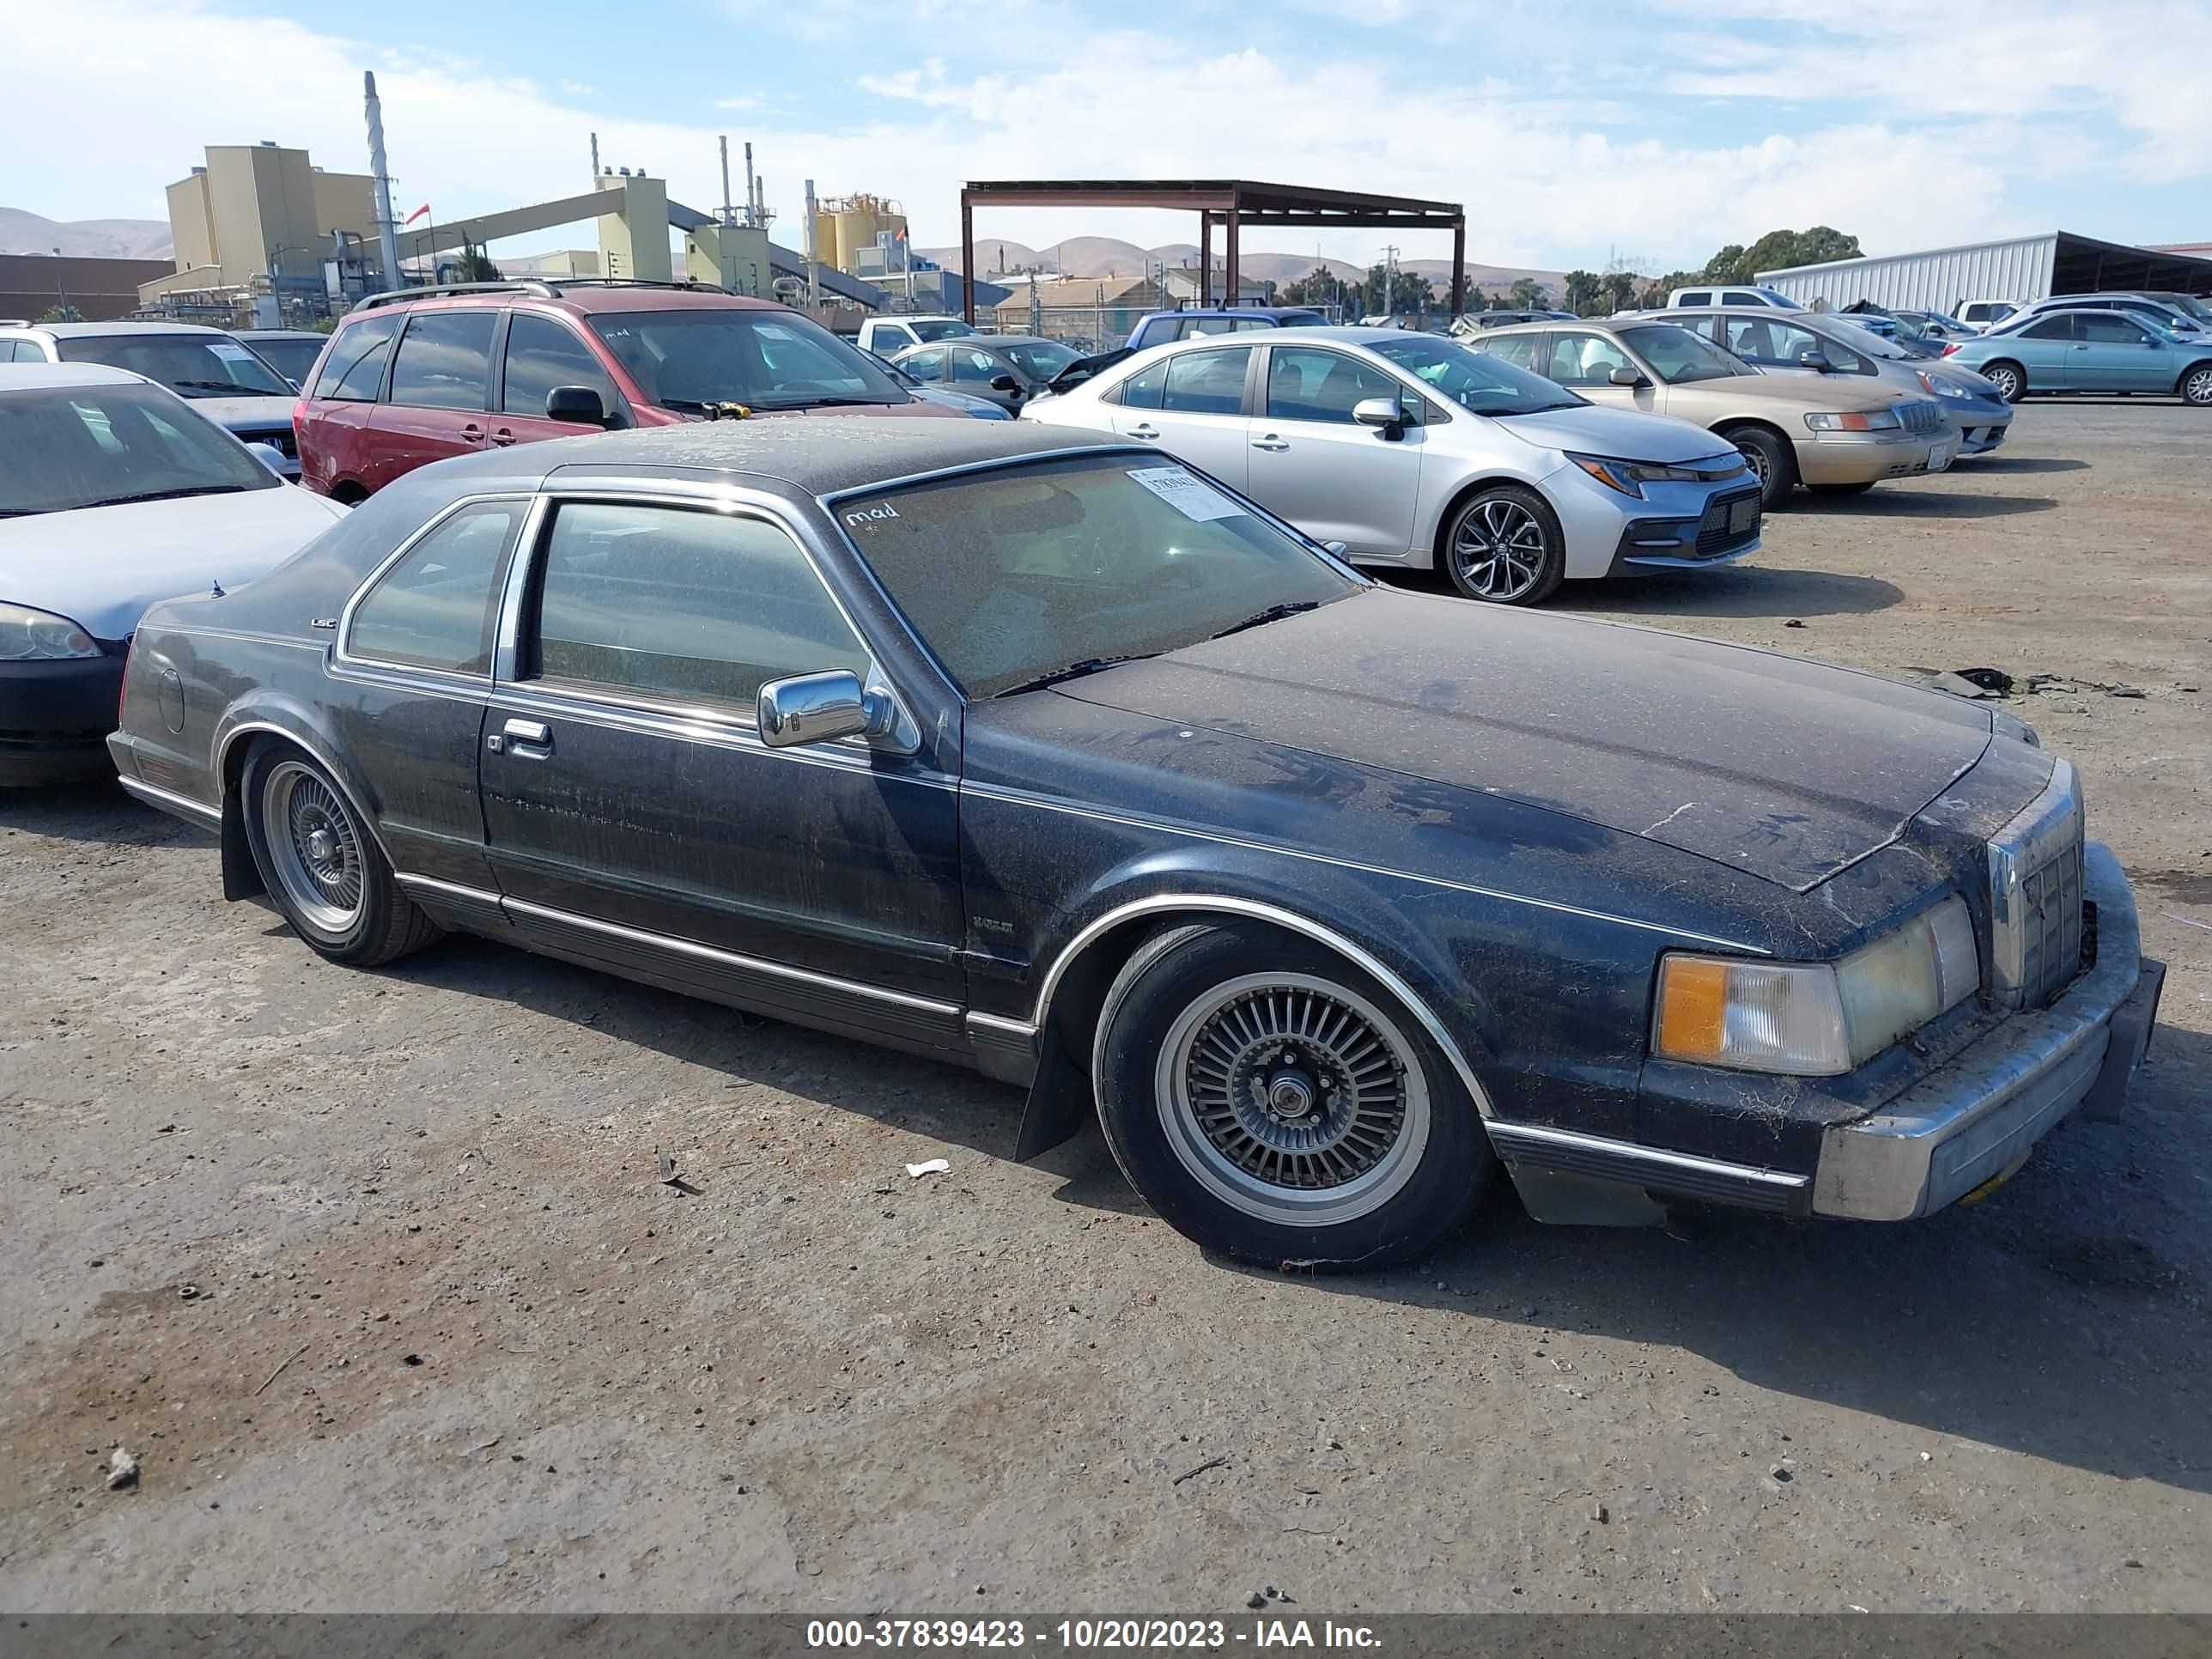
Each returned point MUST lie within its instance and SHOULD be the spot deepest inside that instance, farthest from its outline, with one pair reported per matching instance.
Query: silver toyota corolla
(1412, 450)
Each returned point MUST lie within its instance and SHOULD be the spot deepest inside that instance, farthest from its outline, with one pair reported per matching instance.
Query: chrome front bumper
(1978, 1118)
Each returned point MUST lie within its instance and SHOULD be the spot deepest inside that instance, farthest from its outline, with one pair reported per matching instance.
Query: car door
(2112, 351)
(1313, 464)
(972, 370)
(633, 815)
(1191, 403)
(408, 681)
(1585, 361)
(439, 402)
(540, 354)
(2043, 350)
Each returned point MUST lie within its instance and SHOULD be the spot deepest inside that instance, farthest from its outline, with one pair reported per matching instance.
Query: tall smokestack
(752, 191)
(729, 215)
(387, 242)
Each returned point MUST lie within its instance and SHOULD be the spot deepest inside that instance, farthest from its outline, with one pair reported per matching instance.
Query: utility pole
(387, 239)
(813, 265)
(61, 294)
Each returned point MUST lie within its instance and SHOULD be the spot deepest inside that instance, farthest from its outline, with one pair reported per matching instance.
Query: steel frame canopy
(1230, 203)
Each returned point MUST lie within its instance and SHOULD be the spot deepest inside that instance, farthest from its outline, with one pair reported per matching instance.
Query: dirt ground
(373, 1271)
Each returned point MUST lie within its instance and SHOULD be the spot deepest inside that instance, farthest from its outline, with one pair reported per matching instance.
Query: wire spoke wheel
(314, 846)
(1756, 458)
(1292, 1098)
(1498, 549)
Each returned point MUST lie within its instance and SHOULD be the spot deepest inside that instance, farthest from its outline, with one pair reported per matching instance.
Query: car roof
(276, 334)
(813, 456)
(26, 377)
(82, 331)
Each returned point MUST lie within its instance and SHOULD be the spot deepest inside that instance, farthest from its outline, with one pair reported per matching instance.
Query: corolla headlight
(1854, 420)
(1944, 386)
(1816, 1020)
(28, 636)
(1629, 478)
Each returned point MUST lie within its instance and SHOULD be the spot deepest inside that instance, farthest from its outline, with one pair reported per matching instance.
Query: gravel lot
(373, 1271)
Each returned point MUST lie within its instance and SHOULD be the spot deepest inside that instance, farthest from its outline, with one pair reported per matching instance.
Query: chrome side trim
(168, 800)
(685, 947)
(1216, 903)
(1024, 798)
(1019, 1031)
(1571, 1153)
(450, 888)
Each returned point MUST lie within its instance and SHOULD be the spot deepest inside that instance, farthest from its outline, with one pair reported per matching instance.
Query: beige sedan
(1835, 436)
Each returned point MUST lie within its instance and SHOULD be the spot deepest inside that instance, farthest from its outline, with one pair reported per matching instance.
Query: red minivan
(416, 376)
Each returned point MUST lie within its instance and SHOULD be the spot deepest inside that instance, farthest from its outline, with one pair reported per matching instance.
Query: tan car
(1834, 436)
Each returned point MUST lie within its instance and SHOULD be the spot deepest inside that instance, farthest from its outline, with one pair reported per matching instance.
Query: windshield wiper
(174, 494)
(1538, 409)
(1074, 671)
(834, 402)
(1272, 613)
(225, 387)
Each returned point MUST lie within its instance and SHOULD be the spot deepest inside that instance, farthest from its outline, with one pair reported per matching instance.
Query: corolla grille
(2035, 896)
(1920, 416)
(1729, 522)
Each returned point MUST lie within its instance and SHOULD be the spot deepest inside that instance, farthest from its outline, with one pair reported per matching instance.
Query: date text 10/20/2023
(1088, 1634)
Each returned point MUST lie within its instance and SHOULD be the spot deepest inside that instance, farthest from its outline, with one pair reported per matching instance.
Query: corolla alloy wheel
(2197, 388)
(314, 846)
(1504, 547)
(1292, 1099)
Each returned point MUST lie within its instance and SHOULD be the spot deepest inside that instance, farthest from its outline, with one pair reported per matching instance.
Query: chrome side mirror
(1626, 376)
(1387, 415)
(823, 707)
(1816, 360)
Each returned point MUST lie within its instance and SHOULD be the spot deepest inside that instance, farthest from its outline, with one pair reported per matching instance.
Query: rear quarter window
(353, 369)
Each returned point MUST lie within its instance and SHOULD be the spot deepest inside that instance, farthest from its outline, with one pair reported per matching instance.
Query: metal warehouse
(2025, 268)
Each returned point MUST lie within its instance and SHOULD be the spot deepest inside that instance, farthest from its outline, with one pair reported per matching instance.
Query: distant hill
(1108, 256)
(22, 232)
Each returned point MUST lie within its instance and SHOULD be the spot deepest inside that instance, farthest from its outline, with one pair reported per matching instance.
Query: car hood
(1627, 434)
(246, 411)
(1789, 769)
(102, 566)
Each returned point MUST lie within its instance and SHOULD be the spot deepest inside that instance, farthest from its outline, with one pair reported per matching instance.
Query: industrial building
(262, 217)
(2023, 268)
(96, 290)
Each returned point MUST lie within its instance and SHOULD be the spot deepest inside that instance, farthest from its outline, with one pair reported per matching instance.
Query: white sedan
(1412, 450)
(113, 493)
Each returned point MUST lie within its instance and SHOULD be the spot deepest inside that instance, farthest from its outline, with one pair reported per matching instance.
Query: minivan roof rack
(543, 288)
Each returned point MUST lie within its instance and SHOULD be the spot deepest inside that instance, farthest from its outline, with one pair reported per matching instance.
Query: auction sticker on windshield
(1192, 497)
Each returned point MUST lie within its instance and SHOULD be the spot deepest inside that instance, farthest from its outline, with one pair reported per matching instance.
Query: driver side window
(1584, 360)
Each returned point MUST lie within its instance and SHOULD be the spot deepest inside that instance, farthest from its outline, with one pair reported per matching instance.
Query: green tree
(1727, 265)
(1779, 250)
(474, 266)
(60, 314)
(1409, 295)
(1618, 291)
(1527, 295)
(1582, 292)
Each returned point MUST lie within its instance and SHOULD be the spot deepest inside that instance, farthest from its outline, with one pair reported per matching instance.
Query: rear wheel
(1275, 1104)
(1505, 547)
(1771, 462)
(2008, 378)
(321, 865)
(2196, 385)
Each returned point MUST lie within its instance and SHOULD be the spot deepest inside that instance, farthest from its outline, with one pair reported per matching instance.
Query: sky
(1577, 132)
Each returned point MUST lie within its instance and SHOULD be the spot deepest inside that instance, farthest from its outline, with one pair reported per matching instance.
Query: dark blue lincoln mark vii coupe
(1044, 753)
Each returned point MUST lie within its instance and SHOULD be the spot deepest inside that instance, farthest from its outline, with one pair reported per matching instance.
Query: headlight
(1629, 478)
(1857, 420)
(1944, 386)
(1816, 1020)
(28, 636)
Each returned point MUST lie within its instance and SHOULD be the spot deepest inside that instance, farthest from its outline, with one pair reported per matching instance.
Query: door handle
(472, 432)
(502, 435)
(1270, 441)
(1144, 430)
(531, 738)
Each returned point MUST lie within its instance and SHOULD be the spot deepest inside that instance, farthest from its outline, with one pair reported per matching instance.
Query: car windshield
(291, 358)
(1047, 569)
(948, 328)
(1680, 356)
(2188, 305)
(1473, 379)
(692, 359)
(1847, 329)
(217, 367)
(73, 447)
(1042, 360)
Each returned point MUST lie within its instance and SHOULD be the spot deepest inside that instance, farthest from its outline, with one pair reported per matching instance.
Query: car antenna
(215, 592)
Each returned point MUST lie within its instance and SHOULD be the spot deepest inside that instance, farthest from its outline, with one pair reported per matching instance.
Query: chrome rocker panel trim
(1978, 1117)
(1527, 1146)
(196, 812)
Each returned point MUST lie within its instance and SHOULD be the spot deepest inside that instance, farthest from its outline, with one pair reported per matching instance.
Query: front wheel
(2196, 386)
(322, 866)
(1275, 1104)
(1505, 547)
(2010, 379)
(1771, 462)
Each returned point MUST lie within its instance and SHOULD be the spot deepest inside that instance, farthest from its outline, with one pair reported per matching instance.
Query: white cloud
(577, 88)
